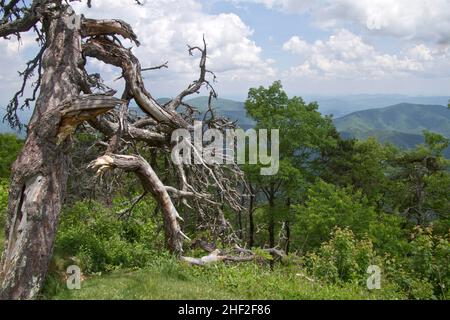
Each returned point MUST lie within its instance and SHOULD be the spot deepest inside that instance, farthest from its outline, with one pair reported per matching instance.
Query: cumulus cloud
(165, 27)
(14, 55)
(411, 19)
(296, 45)
(346, 55)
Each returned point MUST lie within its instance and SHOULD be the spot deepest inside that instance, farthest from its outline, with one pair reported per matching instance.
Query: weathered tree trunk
(239, 220)
(39, 175)
(271, 226)
(251, 231)
(287, 246)
(287, 224)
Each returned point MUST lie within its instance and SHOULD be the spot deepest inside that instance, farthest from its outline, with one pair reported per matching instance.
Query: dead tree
(65, 96)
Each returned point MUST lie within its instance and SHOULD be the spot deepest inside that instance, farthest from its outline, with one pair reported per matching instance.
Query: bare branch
(14, 105)
(152, 184)
(111, 53)
(126, 213)
(196, 85)
(25, 18)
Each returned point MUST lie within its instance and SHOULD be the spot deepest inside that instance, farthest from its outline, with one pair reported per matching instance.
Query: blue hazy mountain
(379, 116)
(339, 106)
(405, 117)
(402, 124)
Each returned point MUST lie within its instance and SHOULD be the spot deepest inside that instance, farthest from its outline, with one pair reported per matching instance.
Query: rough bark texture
(39, 175)
(40, 172)
(251, 221)
(152, 184)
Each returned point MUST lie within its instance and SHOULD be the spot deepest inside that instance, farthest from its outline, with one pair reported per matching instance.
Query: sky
(315, 47)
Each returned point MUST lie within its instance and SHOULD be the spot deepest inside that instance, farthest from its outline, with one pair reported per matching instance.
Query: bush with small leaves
(93, 237)
(342, 259)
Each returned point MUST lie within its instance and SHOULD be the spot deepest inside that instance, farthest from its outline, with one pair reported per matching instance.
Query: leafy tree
(423, 181)
(326, 208)
(303, 132)
(361, 165)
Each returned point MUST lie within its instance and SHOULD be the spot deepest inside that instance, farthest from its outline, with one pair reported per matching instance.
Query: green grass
(171, 280)
(142, 285)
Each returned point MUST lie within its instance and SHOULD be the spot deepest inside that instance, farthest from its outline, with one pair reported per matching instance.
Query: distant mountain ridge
(340, 106)
(402, 124)
(404, 117)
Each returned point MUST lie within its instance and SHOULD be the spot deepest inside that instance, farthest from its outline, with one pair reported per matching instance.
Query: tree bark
(39, 175)
(251, 231)
(287, 225)
(271, 227)
(152, 184)
(288, 237)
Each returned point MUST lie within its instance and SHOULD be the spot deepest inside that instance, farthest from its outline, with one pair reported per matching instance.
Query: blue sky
(319, 47)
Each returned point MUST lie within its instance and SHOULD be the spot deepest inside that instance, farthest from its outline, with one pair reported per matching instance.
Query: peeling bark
(39, 175)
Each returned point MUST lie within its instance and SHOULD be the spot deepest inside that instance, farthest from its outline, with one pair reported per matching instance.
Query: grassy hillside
(169, 279)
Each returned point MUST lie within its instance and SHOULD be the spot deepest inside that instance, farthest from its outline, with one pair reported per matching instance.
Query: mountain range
(401, 123)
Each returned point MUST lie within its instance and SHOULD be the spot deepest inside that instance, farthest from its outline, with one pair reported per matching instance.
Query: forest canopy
(97, 187)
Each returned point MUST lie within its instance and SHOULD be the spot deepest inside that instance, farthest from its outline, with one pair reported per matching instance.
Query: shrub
(327, 207)
(342, 259)
(93, 237)
(423, 272)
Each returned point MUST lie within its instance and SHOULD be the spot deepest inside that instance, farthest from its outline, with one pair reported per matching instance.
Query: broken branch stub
(83, 108)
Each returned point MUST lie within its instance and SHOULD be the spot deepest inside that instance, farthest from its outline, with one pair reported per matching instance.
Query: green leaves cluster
(10, 145)
(94, 238)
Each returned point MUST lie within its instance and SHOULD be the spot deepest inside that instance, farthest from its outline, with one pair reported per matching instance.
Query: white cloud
(423, 20)
(345, 55)
(421, 53)
(296, 45)
(14, 55)
(165, 27)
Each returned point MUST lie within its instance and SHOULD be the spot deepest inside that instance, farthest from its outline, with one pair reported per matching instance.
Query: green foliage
(4, 186)
(9, 148)
(166, 278)
(361, 165)
(93, 237)
(327, 207)
(342, 259)
(421, 181)
(424, 273)
(436, 143)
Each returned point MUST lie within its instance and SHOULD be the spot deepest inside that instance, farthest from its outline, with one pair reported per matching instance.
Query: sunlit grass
(170, 280)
